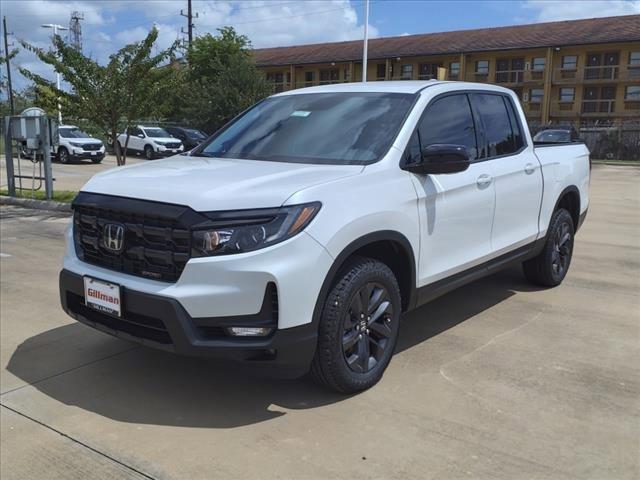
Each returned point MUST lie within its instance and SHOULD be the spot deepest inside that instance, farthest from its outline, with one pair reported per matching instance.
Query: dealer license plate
(102, 296)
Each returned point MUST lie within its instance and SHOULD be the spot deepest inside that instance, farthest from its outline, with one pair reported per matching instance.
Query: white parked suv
(299, 233)
(74, 144)
(152, 142)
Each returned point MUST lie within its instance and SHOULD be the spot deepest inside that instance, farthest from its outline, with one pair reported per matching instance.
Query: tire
(550, 267)
(63, 155)
(149, 154)
(356, 344)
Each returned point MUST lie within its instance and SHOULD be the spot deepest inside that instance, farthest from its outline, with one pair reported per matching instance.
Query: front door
(456, 210)
(516, 172)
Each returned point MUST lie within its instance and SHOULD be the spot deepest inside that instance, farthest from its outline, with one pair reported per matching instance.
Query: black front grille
(137, 325)
(173, 145)
(91, 146)
(156, 241)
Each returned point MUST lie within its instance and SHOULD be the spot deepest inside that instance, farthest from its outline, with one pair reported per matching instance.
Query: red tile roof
(539, 35)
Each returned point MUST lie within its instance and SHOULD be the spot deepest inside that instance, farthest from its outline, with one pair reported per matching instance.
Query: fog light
(249, 331)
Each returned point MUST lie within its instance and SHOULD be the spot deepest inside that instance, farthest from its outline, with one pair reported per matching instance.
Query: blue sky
(110, 24)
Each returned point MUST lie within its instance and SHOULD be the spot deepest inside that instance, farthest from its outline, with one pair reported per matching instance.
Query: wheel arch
(388, 246)
(569, 199)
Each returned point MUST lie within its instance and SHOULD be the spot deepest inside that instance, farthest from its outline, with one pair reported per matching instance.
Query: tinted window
(349, 128)
(516, 130)
(449, 120)
(494, 116)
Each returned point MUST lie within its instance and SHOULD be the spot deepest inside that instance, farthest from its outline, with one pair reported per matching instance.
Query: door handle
(484, 180)
(529, 168)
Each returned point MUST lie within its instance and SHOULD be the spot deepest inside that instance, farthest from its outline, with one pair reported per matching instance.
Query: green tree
(111, 96)
(219, 81)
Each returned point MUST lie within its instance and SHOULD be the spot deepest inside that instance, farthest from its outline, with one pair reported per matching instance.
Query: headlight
(159, 143)
(244, 231)
(76, 144)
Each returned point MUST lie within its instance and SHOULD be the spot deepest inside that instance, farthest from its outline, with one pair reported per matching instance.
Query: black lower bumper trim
(163, 323)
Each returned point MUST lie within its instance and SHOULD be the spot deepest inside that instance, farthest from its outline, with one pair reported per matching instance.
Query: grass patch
(65, 196)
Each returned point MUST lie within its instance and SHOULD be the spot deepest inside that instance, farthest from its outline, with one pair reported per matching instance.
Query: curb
(48, 205)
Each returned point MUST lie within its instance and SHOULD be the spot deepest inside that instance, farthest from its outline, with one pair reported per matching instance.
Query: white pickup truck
(297, 235)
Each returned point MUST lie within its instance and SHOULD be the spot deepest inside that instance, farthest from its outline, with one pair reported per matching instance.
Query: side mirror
(441, 158)
(140, 135)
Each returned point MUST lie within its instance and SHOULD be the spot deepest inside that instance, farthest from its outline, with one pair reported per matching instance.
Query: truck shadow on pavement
(140, 385)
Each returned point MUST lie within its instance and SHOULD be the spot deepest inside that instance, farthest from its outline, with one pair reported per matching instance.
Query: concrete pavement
(497, 380)
(71, 176)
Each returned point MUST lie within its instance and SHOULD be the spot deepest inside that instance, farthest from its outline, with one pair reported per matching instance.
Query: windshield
(156, 133)
(553, 136)
(195, 134)
(72, 133)
(333, 128)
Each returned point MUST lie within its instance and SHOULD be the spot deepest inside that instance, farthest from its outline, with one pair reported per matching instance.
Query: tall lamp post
(366, 41)
(55, 32)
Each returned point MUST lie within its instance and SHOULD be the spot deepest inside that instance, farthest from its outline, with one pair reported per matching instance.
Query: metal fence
(605, 141)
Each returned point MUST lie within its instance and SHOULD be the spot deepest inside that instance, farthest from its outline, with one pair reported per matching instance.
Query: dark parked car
(556, 135)
(190, 137)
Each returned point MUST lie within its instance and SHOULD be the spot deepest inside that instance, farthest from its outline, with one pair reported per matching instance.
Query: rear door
(516, 171)
(456, 210)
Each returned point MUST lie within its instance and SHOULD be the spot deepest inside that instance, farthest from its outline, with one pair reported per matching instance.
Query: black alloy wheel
(367, 327)
(358, 328)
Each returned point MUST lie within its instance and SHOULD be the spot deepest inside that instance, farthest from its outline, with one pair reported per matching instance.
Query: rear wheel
(63, 155)
(552, 264)
(359, 327)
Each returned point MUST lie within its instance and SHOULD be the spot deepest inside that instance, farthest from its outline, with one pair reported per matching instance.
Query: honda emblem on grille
(113, 237)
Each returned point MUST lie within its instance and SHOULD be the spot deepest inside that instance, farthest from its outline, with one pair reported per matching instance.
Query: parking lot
(67, 177)
(496, 380)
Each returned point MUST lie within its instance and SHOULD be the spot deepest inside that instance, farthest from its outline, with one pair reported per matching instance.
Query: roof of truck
(392, 86)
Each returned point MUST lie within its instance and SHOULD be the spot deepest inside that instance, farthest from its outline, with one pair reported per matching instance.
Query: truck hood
(207, 184)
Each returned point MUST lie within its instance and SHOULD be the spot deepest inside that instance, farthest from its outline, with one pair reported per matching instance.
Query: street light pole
(366, 40)
(55, 32)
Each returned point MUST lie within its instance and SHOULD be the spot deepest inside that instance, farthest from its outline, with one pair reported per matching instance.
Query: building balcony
(630, 108)
(532, 109)
(599, 74)
(478, 77)
(509, 77)
(564, 109)
(598, 107)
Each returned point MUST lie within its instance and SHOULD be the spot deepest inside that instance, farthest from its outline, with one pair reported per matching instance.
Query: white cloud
(553, 10)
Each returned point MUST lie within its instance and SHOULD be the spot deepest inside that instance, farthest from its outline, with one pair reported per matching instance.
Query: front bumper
(163, 323)
(89, 154)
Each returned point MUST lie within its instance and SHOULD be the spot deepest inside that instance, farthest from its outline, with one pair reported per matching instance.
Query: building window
(567, 94)
(309, 78)
(569, 62)
(454, 70)
(406, 72)
(482, 67)
(381, 71)
(535, 95)
(632, 93)
(634, 59)
(538, 63)
(330, 75)
(428, 71)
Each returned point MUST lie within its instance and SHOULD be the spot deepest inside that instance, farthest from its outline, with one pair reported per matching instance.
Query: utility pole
(190, 24)
(6, 59)
(75, 30)
(366, 40)
(56, 27)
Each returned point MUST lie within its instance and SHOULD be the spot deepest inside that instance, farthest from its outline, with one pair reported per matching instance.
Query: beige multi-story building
(580, 71)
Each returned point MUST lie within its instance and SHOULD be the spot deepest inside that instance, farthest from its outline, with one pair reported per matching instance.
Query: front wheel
(63, 155)
(149, 154)
(359, 327)
(550, 267)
